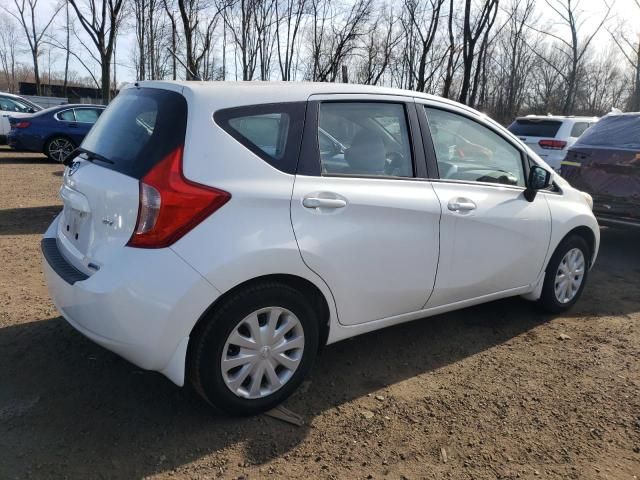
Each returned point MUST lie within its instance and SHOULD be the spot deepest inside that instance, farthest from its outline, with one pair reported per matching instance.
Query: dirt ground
(487, 392)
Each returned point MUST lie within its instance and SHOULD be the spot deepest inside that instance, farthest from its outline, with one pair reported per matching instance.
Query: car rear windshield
(140, 127)
(535, 128)
(614, 131)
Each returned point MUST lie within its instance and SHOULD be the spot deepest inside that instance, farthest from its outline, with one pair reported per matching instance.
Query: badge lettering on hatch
(73, 168)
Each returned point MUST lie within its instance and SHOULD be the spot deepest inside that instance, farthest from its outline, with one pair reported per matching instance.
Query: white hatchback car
(224, 232)
(550, 136)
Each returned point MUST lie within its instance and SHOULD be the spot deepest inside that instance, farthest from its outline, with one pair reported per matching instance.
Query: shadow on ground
(64, 399)
(27, 220)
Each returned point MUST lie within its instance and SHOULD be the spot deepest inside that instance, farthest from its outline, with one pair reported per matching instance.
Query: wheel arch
(588, 235)
(304, 286)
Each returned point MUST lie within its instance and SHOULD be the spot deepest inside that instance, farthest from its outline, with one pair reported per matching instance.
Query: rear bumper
(29, 143)
(142, 306)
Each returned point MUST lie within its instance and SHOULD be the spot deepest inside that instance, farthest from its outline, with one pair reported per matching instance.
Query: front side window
(86, 115)
(364, 139)
(468, 151)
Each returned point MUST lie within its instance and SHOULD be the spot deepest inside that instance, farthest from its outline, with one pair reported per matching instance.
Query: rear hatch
(605, 162)
(101, 189)
(540, 134)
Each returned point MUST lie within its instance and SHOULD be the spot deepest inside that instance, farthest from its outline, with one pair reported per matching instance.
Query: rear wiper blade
(91, 156)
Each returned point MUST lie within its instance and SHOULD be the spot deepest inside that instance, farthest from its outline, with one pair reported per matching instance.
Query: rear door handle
(461, 205)
(317, 202)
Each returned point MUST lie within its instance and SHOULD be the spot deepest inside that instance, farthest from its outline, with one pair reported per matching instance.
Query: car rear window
(614, 131)
(535, 128)
(140, 127)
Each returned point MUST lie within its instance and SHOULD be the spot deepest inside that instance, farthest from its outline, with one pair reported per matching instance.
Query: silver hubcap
(569, 275)
(262, 352)
(59, 149)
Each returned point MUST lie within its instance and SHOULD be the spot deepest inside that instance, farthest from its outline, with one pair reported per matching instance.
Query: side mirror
(539, 179)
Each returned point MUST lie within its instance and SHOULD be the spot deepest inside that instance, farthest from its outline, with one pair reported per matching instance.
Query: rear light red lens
(170, 205)
(20, 125)
(552, 144)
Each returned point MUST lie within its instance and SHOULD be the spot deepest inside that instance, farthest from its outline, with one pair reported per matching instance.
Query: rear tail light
(23, 124)
(170, 205)
(552, 144)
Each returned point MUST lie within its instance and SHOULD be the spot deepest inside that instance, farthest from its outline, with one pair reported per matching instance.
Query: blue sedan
(55, 131)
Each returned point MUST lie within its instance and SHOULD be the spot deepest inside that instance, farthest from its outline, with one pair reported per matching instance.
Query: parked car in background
(221, 233)
(550, 135)
(13, 105)
(56, 131)
(605, 162)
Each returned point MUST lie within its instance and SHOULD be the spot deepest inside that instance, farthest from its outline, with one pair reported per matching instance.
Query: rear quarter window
(271, 131)
(535, 128)
(579, 128)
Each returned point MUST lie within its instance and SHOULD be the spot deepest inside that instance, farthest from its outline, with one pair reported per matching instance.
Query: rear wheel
(58, 148)
(254, 349)
(566, 275)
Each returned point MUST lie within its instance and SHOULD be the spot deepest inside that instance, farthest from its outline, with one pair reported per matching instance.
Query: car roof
(225, 93)
(556, 117)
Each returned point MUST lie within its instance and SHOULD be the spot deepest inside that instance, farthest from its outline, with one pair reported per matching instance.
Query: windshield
(138, 129)
(621, 131)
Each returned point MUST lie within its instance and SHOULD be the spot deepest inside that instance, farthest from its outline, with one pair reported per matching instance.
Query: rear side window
(87, 115)
(579, 128)
(614, 131)
(272, 131)
(364, 139)
(140, 127)
(67, 116)
(535, 128)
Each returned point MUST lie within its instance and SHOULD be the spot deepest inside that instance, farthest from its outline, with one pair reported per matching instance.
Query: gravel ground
(488, 392)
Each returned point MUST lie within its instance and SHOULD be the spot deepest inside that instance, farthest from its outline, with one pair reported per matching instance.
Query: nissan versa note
(221, 233)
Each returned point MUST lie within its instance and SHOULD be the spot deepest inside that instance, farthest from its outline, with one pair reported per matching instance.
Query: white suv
(224, 232)
(550, 136)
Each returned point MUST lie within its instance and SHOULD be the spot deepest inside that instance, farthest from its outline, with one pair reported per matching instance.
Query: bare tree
(575, 48)
(420, 21)
(513, 60)
(377, 51)
(473, 30)
(334, 36)
(289, 15)
(630, 48)
(28, 18)
(100, 19)
(8, 45)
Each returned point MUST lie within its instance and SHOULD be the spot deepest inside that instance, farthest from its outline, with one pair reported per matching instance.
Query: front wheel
(58, 148)
(566, 275)
(255, 349)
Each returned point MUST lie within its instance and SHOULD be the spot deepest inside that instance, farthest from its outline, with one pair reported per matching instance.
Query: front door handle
(461, 205)
(317, 202)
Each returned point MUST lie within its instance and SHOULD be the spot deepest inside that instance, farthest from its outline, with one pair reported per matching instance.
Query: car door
(363, 218)
(492, 240)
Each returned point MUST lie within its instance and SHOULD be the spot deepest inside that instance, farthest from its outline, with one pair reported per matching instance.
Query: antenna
(193, 75)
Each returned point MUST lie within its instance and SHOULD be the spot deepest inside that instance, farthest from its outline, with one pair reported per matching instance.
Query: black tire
(548, 300)
(209, 339)
(52, 152)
